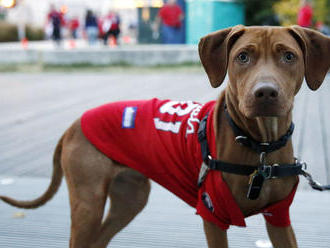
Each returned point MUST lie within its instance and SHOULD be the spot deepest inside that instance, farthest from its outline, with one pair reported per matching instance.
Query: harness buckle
(262, 147)
(241, 139)
(266, 171)
(262, 158)
(303, 164)
(313, 183)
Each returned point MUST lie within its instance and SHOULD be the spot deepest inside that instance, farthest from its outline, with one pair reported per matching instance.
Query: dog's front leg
(281, 237)
(216, 237)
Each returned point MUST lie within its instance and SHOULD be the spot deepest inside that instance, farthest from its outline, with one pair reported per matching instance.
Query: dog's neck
(263, 129)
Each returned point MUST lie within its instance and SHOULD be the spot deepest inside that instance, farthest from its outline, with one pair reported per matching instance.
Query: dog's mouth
(266, 109)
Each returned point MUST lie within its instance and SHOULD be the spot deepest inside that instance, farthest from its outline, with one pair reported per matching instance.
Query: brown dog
(266, 67)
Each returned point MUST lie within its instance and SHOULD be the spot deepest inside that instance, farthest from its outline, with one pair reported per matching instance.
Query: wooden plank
(165, 222)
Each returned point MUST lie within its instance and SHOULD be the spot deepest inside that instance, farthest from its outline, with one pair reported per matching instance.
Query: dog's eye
(243, 58)
(289, 57)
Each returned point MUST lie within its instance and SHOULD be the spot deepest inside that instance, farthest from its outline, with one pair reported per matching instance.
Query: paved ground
(37, 108)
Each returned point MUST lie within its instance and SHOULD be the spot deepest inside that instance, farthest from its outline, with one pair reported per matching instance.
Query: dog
(114, 150)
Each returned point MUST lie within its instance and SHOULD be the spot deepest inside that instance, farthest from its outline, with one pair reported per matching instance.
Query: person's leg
(57, 35)
(91, 35)
(166, 34)
(105, 38)
(176, 38)
(74, 34)
(95, 34)
(171, 35)
(116, 33)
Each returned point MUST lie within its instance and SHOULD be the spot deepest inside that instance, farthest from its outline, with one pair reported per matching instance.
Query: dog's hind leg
(86, 215)
(88, 174)
(128, 192)
(92, 177)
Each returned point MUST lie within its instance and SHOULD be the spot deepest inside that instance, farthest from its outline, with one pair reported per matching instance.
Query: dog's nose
(265, 91)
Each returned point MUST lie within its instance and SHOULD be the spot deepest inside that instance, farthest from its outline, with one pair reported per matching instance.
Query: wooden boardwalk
(37, 108)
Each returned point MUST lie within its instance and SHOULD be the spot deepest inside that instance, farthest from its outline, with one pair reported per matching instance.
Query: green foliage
(327, 18)
(260, 12)
(8, 32)
(287, 10)
(2, 14)
(322, 11)
(33, 33)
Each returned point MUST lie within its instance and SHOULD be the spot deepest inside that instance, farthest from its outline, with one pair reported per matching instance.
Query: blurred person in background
(111, 27)
(74, 26)
(320, 26)
(305, 14)
(55, 20)
(91, 27)
(169, 19)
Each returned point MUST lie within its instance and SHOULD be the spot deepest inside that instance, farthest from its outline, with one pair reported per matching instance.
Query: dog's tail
(52, 188)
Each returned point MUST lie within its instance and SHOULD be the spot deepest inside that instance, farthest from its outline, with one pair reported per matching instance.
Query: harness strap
(257, 173)
(267, 171)
(270, 171)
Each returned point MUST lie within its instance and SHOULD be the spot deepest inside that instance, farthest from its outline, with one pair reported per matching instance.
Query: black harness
(258, 174)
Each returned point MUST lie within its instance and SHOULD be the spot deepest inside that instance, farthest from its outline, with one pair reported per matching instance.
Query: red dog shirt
(159, 139)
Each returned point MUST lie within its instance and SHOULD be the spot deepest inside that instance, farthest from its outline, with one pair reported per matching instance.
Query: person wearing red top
(305, 15)
(111, 27)
(56, 19)
(73, 26)
(170, 16)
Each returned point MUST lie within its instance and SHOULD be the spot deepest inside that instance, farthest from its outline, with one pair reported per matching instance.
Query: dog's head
(266, 65)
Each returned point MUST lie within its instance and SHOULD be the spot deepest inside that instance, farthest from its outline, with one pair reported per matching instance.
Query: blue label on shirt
(129, 115)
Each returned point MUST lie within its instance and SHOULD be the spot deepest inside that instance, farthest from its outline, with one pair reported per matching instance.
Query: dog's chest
(273, 191)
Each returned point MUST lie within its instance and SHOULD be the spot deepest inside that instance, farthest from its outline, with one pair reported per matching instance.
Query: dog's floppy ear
(316, 50)
(214, 51)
